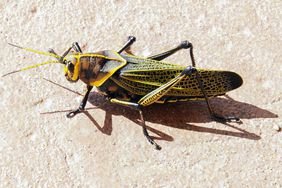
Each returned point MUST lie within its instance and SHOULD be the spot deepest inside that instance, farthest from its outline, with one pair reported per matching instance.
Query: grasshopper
(137, 82)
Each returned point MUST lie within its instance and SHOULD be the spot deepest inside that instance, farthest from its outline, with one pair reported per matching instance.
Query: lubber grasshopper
(136, 82)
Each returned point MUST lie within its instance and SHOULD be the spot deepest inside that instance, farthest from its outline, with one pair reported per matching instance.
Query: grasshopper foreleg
(76, 47)
(82, 104)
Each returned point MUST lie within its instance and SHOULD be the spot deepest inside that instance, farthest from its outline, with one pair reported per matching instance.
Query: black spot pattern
(141, 76)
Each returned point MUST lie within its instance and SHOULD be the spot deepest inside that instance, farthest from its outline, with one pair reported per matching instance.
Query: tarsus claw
(73, 113)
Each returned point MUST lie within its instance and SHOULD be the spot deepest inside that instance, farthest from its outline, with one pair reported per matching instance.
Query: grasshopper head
(71, 69)
(71, 65)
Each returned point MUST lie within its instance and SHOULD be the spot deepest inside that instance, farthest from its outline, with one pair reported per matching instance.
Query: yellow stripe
(97, 55)
(76, 69)
(175, 100)
(150, 83)
(156, 94)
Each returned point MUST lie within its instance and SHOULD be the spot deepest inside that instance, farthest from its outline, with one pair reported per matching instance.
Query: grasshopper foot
(158, 147)
(131, 38)
(223, 119)
(151, 140)
(185, 44)
(73, 113)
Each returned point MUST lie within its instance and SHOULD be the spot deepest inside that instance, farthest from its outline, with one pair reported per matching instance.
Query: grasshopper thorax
(93, 68)
(85, 67)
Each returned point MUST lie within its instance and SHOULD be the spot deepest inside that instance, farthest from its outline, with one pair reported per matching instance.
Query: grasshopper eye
(70, 66)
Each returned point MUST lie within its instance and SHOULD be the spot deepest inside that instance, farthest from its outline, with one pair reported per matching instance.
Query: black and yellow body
(136, 82)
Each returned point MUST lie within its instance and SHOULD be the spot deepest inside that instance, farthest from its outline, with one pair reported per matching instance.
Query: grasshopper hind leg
(145, 132)
(214, 116)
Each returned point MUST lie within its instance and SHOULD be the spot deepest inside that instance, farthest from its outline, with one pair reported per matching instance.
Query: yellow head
(71, 69)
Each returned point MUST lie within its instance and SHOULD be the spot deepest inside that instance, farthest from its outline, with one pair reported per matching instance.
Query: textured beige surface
(40, 147)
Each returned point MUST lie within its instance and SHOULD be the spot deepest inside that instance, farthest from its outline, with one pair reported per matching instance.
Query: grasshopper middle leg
(136, 106)
(183, 45)
(130, 41)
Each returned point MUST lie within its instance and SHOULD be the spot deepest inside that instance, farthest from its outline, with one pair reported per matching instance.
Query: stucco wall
(40, 147)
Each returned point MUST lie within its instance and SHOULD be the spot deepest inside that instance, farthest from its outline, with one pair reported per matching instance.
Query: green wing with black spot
(141, 76)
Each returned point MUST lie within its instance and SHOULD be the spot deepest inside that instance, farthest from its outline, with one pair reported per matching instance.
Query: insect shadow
(176, 115)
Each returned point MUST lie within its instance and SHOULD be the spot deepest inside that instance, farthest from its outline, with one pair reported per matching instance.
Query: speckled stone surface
(105, 147)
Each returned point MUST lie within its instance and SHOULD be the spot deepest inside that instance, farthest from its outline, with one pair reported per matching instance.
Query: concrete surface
(105, 147)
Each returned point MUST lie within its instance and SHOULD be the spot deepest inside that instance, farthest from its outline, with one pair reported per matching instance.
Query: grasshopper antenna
(60, 59)
(35, 51)
(31, 67)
